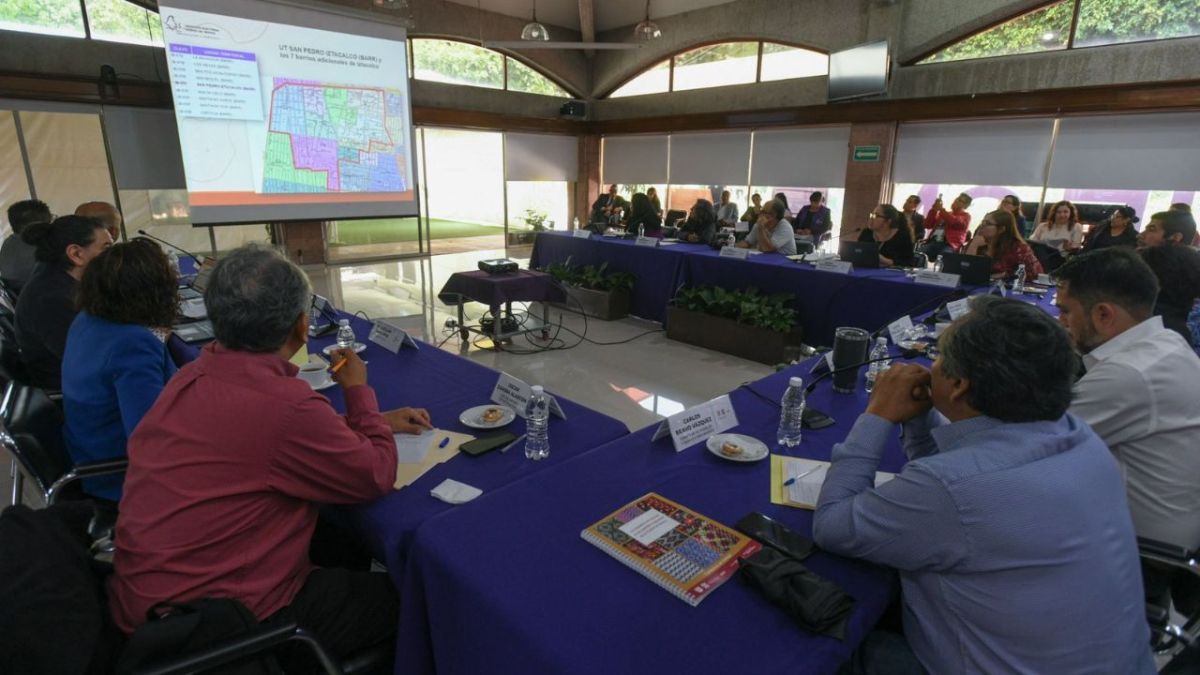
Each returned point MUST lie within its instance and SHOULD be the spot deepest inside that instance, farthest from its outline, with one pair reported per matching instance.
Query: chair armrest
(257, 642)
(85, 471)
(1168, 554)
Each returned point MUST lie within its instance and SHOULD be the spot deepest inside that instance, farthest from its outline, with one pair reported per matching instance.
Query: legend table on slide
(215, 83)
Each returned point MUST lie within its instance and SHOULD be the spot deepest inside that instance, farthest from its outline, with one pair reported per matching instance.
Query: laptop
(861, 254)
(197, 331)
(973, 270)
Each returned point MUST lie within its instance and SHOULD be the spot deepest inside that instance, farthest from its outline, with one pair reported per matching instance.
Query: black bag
(817, 604)
(174, 629)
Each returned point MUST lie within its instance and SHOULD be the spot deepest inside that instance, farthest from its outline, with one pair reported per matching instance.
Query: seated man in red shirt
(227, 469)
(946, 230)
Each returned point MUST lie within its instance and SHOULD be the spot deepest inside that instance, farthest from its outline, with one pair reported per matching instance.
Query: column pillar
(868, 182)
(587, 185)
(304, 241)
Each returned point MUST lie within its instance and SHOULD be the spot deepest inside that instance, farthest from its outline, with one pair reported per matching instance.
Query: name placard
(735, 252)
(647, 241)
(899, 328)
(834, 266)
(391, 337)
(515, 394)
(582, 234)
(698, 423)
(958, 308)
(936, 278)
(741, 226)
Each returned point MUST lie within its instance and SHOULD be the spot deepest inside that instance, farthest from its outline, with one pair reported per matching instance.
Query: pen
(445, 442)
(516, 440)
(338, 366)
(793, 479)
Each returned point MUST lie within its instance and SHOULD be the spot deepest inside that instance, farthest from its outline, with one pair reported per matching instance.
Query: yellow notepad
(804, 493)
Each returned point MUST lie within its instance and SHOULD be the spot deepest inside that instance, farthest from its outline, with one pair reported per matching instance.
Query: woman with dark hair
(1061, 229)
(701, 223)
(787, 210)
(814, 220)
(652, 195)
(998, 238)
(46, 307)
(1012, 204)
(116, 360)
(642, 214)
(890, 229)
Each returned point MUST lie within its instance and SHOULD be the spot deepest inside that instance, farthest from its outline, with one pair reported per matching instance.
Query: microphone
(945, 299)
(189, 254)
(815, 419)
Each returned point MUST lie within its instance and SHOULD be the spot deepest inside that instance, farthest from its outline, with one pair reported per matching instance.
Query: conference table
(445, 384)
(824, 301)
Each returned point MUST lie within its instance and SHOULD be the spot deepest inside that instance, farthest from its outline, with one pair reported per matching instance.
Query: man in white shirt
(727, 211)
(1141, 392)
(772, 234)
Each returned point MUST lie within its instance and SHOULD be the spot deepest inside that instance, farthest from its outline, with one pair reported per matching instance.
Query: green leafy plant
(591, 277)
(536, 220)
(747, 306)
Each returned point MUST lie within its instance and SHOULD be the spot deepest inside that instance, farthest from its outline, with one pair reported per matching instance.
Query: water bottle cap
(343, 322)
(537, 388)
(881, 340)
(796, 382)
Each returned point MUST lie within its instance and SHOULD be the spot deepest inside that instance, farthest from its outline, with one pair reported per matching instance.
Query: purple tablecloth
(495, 290)
(511, 587)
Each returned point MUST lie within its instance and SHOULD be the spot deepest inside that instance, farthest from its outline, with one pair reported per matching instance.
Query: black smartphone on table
(484, 444)
(776, 535)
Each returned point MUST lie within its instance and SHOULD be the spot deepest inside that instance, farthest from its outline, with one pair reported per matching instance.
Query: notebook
(810, 474)
(683, 552)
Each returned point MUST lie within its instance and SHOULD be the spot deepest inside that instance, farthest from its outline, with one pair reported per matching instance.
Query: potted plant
(535, 221)
(743, 323)
(594, 290)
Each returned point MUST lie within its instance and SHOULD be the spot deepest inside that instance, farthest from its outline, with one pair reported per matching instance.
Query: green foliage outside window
(461, 63)
(60, 17)
(1043, 30)
(123, 22)
(523, 78)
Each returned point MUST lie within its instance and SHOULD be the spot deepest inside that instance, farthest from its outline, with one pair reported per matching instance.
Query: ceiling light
(534, 31)
(647, 30)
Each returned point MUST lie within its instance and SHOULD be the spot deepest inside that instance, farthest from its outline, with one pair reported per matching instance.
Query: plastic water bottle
(874, 369)
(937, 264)
(641, 231)
(537, 425)
(173, 260)
(345, 335)
(791, 414)
(1019, 280)
(575, 222)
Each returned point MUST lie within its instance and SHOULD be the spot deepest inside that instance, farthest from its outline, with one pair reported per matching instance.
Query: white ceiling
(609, 13)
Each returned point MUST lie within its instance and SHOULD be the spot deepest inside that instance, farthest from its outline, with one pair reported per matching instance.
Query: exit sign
(866, 153)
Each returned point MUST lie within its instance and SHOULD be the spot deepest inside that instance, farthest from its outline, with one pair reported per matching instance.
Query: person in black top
(814, 220)
(912, 211)
(608, 207)
(1178, 272)
(642, 214)
(890, 230)
(46, 307)
(16, 257)
(701, 223)
(1116, 231)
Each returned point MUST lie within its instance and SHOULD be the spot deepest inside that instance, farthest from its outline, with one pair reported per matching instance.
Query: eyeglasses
(877, 215)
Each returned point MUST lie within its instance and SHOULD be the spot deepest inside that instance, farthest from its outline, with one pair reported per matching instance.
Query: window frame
(412, 65)
(670, 59)
(1076, 9)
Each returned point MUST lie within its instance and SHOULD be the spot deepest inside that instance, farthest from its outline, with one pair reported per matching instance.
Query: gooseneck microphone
(904, 354)
(945, 299)
(184, 251)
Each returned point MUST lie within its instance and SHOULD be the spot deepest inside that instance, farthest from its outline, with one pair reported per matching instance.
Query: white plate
(358, 347)
(472, 417)
(752, 448)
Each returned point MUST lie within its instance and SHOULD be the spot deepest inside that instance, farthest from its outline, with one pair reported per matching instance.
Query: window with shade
(1100, 22)
(455, 62)
(724, 64)
(112, 20)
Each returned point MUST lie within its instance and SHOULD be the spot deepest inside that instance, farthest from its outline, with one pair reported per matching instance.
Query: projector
(498, 266)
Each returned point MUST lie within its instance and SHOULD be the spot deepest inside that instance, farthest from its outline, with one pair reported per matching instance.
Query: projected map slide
(272, 115)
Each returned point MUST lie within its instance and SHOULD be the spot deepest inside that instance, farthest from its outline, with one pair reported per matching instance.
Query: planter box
(729, 336)
(604, 305)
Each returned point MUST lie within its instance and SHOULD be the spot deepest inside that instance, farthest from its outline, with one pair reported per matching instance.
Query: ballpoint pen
(793, 479)
(516, 440)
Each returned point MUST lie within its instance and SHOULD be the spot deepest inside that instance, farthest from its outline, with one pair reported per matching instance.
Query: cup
(314, 374)
(849, 347)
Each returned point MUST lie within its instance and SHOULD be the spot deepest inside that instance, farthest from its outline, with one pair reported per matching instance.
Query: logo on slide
(171, 23)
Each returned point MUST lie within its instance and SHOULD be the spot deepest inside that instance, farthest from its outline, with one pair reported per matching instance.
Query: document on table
(809, 475)
(418, 453)
(411, 449)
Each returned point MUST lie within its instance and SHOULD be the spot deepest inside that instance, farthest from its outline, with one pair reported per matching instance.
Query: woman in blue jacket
(116, 361)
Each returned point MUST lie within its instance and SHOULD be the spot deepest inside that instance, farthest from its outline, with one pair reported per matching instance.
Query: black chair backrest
(674, 215)
(35, 424)
(11, 367)
(1050, 257)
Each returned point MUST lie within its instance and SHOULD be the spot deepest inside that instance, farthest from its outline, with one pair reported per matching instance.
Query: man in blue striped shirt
(1008, 525)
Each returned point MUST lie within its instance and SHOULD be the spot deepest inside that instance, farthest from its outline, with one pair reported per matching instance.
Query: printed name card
(958, 308)
(899, 328)
(391, 337)
(698, 423)
(647, 241)
(582, 234)
(741, 226)
(936, 278)
(835, 266)
(515, 394)
(735, 252)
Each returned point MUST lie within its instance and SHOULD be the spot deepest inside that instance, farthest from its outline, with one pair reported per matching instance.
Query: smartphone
(484, 444)
(776, 535)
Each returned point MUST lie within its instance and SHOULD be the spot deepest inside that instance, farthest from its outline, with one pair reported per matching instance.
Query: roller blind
(144, 145)
(985, 152)
(710, 159)
(1128, 152)
(635, 159)
(541, 157)
(814, 156)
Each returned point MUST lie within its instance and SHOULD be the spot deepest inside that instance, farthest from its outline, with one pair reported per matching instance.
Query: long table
(511, 586)
(823, 300)
(445, 384)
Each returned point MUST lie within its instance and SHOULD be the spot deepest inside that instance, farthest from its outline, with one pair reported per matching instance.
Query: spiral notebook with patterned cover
(682, 551)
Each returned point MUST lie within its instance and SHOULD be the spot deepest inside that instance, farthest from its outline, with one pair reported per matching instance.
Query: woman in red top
(999, 239)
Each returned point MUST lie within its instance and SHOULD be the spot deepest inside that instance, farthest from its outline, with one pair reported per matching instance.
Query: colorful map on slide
(333, 138)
